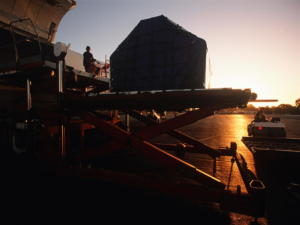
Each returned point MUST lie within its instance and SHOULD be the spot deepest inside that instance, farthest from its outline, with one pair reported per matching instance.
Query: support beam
(60, 101)
(127, 122)
(29, 146)
(153, 152)
(201, 148)
(28, 96)
(198, 146)
(175, 123)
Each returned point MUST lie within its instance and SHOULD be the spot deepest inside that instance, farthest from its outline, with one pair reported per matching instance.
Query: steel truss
(209, 189)
(59, 157)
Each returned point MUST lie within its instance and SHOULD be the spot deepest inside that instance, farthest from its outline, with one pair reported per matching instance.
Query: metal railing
(12, 32)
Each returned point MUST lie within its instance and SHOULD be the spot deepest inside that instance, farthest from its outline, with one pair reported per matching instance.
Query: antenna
(68, 47)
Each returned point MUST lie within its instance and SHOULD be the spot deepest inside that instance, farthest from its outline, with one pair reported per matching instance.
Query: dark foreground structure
(53, 112)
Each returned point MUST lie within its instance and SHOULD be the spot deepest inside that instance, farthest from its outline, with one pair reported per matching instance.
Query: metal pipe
(29, 147)
(127, 122)
(63, 149)
(28, 96)
(60, 76)
(61, 132)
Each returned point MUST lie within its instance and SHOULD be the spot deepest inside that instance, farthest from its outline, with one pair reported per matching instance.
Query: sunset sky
(252, 43)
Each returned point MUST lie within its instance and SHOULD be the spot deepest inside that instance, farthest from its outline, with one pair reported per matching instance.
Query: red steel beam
(153, 152)
(201, 148)
(175, 123)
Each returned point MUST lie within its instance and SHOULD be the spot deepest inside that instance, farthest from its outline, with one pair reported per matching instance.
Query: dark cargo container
(158, 55)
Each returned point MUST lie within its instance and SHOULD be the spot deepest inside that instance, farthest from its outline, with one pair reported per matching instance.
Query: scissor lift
(209, 189)
(60, 125)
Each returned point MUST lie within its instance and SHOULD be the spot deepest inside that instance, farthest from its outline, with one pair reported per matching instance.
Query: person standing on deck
(88, 59)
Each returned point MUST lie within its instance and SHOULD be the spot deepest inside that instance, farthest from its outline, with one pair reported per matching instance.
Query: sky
(252, 43)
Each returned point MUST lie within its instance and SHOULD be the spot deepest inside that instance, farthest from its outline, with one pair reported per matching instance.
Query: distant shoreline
(241, 113)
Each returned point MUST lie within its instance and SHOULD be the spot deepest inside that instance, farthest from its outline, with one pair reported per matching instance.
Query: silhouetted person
(259, 116)
(88, 60)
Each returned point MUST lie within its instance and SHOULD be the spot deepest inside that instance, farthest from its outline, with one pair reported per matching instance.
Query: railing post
(29, 146)
(60, 51)
(60, 100)
(127, 118)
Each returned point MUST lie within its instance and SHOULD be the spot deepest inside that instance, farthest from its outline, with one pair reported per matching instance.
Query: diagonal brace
(153, 152)
(202, 148)
(177, 122)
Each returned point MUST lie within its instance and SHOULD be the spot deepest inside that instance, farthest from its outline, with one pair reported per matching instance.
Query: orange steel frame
(213, 190)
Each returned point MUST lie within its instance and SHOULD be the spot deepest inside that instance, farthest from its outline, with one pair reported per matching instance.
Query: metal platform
(173, 100)
(273, 147)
